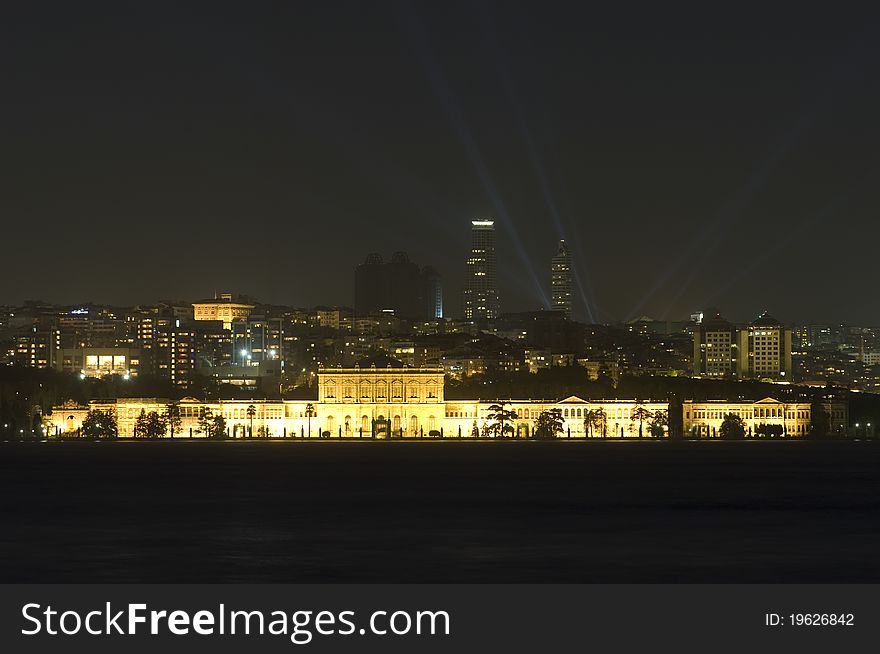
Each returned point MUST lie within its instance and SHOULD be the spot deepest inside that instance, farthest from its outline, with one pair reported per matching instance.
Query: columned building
(481, 302)
(560, 280)
(409, 403)
(223, 308)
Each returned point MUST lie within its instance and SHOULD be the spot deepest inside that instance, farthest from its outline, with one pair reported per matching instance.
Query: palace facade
(409, 403)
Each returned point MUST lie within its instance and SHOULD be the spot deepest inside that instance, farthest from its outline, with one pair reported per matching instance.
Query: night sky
(724, 158)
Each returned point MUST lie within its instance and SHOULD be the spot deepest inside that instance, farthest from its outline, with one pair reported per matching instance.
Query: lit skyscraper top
(560, 280)
(480, 286)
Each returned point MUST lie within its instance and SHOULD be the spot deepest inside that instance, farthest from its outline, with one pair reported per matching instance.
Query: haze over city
(166, 154)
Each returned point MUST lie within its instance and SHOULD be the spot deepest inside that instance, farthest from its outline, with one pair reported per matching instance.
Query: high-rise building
(433, 290)
(481, 285)
(560, 280)
(762, 350)
(720, 348)
(398, 287)
(769, 349)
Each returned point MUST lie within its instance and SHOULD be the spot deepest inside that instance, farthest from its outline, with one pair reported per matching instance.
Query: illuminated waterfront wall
(409, 403)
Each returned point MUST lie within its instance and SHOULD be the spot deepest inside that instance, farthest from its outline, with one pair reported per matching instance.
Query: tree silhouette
(659, 419)
(820, 421)
(172, 417)
(310, 413)
(732, 428)
(150, 425)
(496, 416)
(100, 424)
(251, 412)
(640, 414)
(210, 425)
(549, 424)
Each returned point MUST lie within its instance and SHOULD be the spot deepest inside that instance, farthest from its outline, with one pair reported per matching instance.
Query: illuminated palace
(409, 403)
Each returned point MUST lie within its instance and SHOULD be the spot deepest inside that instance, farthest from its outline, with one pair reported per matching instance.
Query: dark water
(440, 512)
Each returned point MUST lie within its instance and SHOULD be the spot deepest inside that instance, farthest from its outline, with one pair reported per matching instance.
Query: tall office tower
(433, 291)
(398, 286)
(480, 285)
(769, 345)
(720, 349)
(560, 280)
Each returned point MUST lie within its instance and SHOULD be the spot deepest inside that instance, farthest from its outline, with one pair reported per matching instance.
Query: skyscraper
(399, 286)
(560, 280)
(480, 285)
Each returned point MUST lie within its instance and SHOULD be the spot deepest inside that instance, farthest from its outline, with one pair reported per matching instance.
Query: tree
(496, 416)
(600, 421)
(156, 425)
(640, 414)
(140, 425)
(732, 428)
(219, 426)
(251, 412)
(659, 420)
(310, 413)
(172, 418)
(820, 421)
(150, 425)
(100, 424)
(549, 424)
(210, 425)
(475, 430)
(594, 419)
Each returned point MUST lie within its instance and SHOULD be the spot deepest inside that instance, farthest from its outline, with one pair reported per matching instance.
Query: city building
(223, 308)
(397, 402)
(399, 287)
(720, 349)
(703, 419)
(560, 280)
(99, 362)
(481, 302)
(769, 344)
(761, 350)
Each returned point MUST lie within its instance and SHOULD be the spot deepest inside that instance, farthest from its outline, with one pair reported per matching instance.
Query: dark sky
(726, 158)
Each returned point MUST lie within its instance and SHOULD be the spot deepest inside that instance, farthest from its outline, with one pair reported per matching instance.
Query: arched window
(432, 423)
(395, 423)
(365, 424)
(347, 427)
(414, 425)
(330, 424)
